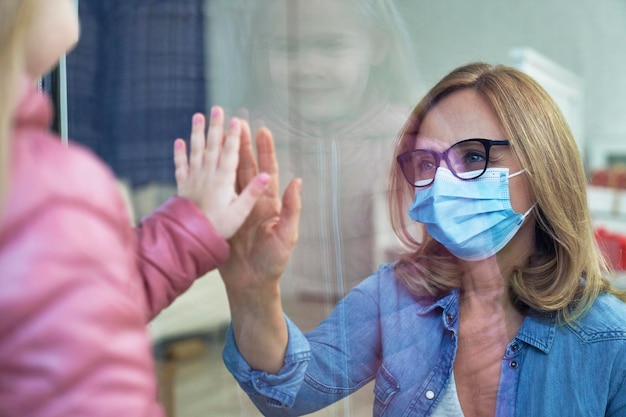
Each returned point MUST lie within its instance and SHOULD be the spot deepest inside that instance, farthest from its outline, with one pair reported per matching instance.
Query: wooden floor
(195, 383)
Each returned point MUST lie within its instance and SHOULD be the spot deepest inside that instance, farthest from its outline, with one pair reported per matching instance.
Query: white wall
(585, 36)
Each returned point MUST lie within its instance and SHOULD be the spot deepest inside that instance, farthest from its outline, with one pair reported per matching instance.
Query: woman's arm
(337, 358)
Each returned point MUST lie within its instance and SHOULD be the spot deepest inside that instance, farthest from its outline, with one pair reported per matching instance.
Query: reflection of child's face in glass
(319, 58)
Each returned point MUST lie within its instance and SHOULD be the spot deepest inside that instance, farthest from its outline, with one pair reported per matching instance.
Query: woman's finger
(267, 159)
(290, 213)
(247, 168)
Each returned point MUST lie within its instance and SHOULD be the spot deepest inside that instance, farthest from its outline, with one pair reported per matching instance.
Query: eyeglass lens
(466, 159)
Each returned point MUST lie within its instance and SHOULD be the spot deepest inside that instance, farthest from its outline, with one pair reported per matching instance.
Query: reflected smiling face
(319, 58)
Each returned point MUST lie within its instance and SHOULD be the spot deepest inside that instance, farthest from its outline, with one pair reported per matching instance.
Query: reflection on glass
(332, 79)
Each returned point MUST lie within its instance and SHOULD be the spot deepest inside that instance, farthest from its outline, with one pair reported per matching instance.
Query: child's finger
(181, 167)
(241, 207)
(230, 153)
(196, 155)
(214, 137)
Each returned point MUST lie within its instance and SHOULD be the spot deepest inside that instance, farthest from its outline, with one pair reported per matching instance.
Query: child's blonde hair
(15, 19)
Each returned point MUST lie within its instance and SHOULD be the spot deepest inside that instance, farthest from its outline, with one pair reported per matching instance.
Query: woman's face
(463, 115)
(54, 31)
(319, 58)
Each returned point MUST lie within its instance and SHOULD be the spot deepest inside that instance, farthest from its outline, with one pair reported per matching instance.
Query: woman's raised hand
(261, 248)
(259, 253)
(208, 176)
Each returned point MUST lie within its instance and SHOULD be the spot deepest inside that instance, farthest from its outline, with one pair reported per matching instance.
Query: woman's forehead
(429, 142)
(464, 114)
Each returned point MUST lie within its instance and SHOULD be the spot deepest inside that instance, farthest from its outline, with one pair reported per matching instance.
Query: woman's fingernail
(215, 111)
(234, 122)
(197, 119)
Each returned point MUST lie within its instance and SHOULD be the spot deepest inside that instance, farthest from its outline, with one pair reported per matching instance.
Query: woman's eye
(473, 158)
(425, 166)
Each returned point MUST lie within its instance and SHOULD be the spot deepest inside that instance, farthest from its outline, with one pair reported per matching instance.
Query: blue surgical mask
(473, 219)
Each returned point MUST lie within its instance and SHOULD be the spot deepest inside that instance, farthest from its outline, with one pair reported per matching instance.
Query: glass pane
(334, 80)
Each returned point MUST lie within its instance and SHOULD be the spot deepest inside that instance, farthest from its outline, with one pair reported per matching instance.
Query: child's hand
(208, 177)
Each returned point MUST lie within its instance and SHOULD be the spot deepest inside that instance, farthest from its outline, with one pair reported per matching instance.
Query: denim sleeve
(277, 391)
(331, 362)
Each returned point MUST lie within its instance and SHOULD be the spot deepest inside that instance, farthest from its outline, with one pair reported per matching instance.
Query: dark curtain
(134, 81)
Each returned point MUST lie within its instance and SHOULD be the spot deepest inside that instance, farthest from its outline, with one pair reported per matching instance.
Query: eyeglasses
(466, 159)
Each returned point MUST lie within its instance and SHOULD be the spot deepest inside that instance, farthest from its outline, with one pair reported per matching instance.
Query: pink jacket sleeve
(176, 245)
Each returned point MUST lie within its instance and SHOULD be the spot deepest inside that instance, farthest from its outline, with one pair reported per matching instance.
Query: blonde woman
(504, 307)
(77, 285)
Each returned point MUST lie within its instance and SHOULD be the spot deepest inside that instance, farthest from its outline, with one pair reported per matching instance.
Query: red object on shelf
(622, 243)
(600, 178)
(613, 246)
(614, 177)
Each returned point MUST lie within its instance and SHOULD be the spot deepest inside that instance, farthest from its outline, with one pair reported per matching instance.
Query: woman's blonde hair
(567, 270)
(15, 19)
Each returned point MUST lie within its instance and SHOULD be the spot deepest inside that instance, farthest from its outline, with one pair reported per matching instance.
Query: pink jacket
(78, 285)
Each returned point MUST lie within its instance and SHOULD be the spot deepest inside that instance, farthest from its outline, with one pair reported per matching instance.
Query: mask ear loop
(529, 210)
(515, 174)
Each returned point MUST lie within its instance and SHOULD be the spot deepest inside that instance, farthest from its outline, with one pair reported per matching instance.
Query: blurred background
(334, 80)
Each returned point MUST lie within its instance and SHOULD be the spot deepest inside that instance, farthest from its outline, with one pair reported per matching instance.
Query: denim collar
(446, 303)
(538, 329)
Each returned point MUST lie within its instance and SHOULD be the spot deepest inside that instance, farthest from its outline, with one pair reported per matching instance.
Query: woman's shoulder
(605, 319)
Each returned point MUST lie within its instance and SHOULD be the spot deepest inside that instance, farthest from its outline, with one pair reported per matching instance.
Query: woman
(503, 309)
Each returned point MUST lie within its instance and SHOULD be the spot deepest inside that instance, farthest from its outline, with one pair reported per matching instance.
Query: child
(77, 285)
(333, 81)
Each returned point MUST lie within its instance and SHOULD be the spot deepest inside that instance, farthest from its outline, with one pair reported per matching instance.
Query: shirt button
(513, 364)
(449, 317)
(514, 347)
(430, 395)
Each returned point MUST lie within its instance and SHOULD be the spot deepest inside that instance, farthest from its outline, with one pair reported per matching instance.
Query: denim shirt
(407, 344)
